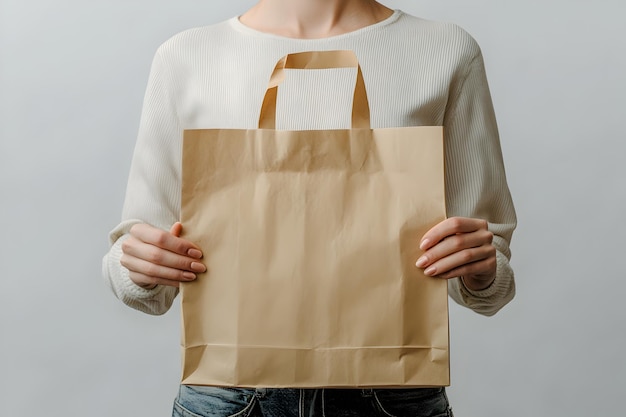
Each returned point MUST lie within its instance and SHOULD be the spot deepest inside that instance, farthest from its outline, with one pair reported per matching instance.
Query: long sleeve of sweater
(480, 190)
(152, 195)
(417, 72)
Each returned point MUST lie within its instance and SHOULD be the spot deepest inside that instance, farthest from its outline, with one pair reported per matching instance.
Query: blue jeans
(201, 401)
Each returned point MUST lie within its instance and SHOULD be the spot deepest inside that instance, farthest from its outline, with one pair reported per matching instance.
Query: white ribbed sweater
(416, 72)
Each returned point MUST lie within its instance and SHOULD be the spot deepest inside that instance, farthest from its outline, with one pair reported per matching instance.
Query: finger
(449, 227)
(149, 283)
(466, 262)
(453, 244)
(165, 240)
(134, 248)
(176, 229)
(140, 267)
(484, 268)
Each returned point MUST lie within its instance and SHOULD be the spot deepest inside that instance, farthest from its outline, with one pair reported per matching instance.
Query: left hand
(460, 247)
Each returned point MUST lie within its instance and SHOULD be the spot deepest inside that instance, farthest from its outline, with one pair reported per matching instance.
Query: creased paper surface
(310, 239)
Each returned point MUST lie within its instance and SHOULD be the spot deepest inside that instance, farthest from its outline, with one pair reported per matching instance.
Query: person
(417, 72)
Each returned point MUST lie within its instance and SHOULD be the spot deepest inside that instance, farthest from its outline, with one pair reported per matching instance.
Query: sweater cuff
(491, 299)
(118, 277)
(484, 293)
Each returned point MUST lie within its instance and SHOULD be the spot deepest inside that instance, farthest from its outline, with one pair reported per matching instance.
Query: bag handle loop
(316, 60)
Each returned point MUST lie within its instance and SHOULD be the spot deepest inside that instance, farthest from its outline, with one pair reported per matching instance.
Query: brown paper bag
(311, 238)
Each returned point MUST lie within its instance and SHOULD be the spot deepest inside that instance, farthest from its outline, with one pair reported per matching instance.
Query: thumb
(176, 229)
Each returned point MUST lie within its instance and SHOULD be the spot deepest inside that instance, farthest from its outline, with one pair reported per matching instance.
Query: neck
(310, 19)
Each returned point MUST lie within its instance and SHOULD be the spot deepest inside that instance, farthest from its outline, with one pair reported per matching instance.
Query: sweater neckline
(236, 24)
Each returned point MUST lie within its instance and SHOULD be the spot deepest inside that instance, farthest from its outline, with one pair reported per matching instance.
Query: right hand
(156, 257)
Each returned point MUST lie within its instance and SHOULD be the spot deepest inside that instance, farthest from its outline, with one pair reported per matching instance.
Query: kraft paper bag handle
(316, 60)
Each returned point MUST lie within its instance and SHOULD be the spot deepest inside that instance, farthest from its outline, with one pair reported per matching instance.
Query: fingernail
(425, 244)
(194, 253)
(198, 267)
(421, 262)
(189, 275)
(431, 271)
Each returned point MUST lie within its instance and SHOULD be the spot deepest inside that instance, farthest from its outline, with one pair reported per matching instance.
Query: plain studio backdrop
(72, 78)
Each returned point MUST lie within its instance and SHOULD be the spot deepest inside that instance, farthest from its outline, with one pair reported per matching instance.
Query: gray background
(72, 77)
